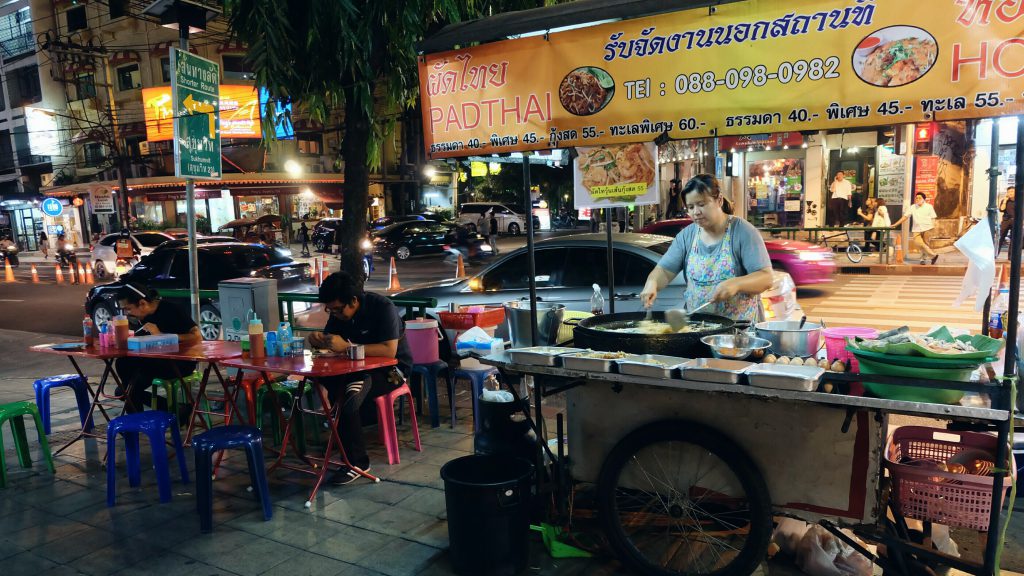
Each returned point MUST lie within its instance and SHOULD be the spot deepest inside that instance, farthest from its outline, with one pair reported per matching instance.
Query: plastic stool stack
(248, 438)
(476, 377)
(386, 421)
(154, 424)
(430, 373)
(75, 382)
(15, 412)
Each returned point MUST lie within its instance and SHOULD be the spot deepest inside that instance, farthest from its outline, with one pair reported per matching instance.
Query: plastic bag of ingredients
(788, 534)
(822, 554)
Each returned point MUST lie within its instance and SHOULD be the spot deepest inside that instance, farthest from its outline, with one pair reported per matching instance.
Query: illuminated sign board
(239, 113)
(43, 137)
(283, 129)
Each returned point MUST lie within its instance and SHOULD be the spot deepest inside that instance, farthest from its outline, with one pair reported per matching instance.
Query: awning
(232, 47)
(502, 26)
(124, 57)
(282, 184)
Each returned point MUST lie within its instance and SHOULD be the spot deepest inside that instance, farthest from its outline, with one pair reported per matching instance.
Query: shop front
(771, 168)
(21, 221)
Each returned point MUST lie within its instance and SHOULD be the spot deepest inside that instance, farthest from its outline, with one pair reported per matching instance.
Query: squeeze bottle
(256, 345)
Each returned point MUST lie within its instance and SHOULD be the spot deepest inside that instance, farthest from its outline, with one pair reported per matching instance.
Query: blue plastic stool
(73, 381)
(153, 424)
(476, 377)
(248, 438)
(430, 373)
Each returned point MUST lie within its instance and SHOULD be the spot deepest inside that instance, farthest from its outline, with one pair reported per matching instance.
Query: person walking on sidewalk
(924, 216)
(840, 200)
(44, 244)
(1006, 207)
(880, 220)
(492, 231)
(304, 238)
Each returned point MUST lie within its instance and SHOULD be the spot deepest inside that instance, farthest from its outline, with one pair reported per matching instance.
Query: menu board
(616, 176)
(752, 67)
(892, 176)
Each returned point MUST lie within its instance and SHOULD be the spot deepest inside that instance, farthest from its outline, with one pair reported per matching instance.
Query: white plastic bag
(822, 554)
(475, 334)
(978, 247)
(788, 534)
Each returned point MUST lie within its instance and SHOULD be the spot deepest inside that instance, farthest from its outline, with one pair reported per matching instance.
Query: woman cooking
(723, 257)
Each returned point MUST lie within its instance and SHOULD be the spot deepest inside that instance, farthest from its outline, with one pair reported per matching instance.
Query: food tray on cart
(540, 355)
(785, 377)
(592, 360)
(653, 365)
(716, 370)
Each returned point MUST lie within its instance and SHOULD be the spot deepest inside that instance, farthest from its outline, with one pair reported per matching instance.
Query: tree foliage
(356, 55)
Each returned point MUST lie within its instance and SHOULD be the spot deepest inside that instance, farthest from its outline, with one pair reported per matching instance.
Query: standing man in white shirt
(839, 201)
(924, 221)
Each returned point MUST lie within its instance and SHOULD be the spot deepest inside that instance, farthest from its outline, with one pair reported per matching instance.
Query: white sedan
(104, 254)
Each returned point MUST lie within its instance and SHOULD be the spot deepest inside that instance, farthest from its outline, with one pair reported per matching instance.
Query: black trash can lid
(480, 470)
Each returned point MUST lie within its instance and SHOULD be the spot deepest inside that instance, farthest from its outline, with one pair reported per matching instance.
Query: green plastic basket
(918, 361)
(914, 393)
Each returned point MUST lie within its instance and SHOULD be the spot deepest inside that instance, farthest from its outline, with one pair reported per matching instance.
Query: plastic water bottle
(284, 338)
(597, 302)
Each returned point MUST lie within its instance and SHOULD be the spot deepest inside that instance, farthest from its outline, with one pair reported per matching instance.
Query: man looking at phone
(371, 320)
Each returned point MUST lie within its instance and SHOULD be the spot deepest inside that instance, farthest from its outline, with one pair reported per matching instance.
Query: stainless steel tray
(653, 365)
(540, 355)
(582, 361)
(717, 370)
(783, 377)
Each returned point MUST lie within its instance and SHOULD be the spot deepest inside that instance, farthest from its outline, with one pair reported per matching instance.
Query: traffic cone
(81, 274)
(88, 273)
(897, 249)
(393, 283)
(460, 270)
(323, 269)
(8, 271)
(316, 272)
(60, 274)
(35, 275)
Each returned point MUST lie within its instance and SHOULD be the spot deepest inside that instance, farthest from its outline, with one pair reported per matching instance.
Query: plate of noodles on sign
(586, 90)
(616, 175)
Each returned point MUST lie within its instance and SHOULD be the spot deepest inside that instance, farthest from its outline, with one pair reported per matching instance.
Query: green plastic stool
(172, 390)
(285, 391)
(15, 412)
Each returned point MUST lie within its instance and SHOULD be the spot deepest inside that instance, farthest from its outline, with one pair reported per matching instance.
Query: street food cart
(734, 68)
(246, 228)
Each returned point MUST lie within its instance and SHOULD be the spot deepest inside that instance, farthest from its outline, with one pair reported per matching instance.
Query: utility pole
(190, 210)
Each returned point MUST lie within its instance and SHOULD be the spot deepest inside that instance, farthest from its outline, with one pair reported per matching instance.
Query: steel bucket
(788, 339)
(549, 319)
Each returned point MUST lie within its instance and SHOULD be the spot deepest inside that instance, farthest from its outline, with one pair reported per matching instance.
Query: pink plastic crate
(835, 343)
(923, 493)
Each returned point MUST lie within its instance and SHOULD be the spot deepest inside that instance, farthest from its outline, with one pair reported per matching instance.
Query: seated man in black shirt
(358, 317)
(156, 317)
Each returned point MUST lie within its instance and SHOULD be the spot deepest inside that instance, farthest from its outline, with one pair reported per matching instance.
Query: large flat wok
(686, 344)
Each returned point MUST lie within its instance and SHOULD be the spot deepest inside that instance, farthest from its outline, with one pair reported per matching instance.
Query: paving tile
(432, 534)
(385, 491)
(82, 543)
(10, 506)
(254, 558)
(26, 564)
(223, 541)
(44, 495)
(300, 529)
(400, 558)
(395, 521)
(426, 501)
(172, 532)
(419, 474)
(55, 528)
(8, 549)
(310, 564)
(351, 510)
(354, 570)
(170, 564)
(441, 456)
(351, 544)
(109, 559)
(101, 516)
(72, 503)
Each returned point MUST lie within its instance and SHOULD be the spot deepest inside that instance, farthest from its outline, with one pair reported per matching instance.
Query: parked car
(168, 269)
(568, 266)
(386, 221)
(511, 219)
(104, 254)
(416, 238)
(807, 263)
(322, 236)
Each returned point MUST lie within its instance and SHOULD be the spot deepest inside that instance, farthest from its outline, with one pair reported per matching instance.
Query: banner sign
(239, 113)
(171, 196)
(926, 177)
(741, 68)
(615, 176)
(776, 140)
(102, 200)
(195, 101)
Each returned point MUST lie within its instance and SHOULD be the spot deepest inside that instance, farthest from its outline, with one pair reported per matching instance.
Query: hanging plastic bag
(978, 247)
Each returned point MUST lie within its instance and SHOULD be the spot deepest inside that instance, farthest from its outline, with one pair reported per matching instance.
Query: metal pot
(549, 320)
(688, 345)
(788, 339)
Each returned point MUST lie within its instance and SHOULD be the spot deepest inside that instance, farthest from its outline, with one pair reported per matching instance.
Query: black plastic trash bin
(488, 499)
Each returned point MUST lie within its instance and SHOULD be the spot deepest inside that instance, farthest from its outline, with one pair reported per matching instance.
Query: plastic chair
(75, 382)
(154, 424)
(476, 377)
(15, 412)
(430, 373)
(172, 390)
(386, 421)
(285, 392)
(248, 438)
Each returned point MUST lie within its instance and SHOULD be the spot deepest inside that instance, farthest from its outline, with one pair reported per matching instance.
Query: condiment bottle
(121, 331)
(88, 332)
(597, 302)
(256, 345)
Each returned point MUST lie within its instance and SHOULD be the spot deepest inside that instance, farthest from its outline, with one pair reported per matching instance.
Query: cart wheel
(677, 497)
(854, 253)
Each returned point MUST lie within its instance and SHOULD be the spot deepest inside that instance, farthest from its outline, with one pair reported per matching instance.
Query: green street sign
(195, 94)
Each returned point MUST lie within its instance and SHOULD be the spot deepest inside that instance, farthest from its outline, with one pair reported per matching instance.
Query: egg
(828, 387)
(823, 363)
(783, 360)
(838, 366)
(771, 359)
(811, 362)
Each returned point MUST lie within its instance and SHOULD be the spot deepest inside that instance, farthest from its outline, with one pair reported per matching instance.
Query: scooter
(10, 254)
(563, 220)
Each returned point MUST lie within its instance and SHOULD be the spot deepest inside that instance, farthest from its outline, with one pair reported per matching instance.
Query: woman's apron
(704, 273)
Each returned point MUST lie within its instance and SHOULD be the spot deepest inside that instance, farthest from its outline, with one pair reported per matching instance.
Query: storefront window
(151, 214)
(222, 211)
(256, 206)
(775, 192)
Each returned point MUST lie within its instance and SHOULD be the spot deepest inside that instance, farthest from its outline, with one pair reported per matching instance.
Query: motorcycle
(473, 253)
(563, 219)
(10, 254)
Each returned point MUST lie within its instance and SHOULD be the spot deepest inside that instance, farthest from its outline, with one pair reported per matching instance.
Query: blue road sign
(52, 207)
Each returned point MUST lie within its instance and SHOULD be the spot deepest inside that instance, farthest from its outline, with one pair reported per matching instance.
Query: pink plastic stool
(386, 421)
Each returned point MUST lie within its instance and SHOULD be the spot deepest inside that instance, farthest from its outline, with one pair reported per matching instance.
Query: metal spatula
(677, 319)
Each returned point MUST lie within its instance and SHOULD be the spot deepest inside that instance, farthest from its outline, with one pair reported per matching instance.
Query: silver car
(567, 267)
(104, 254)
